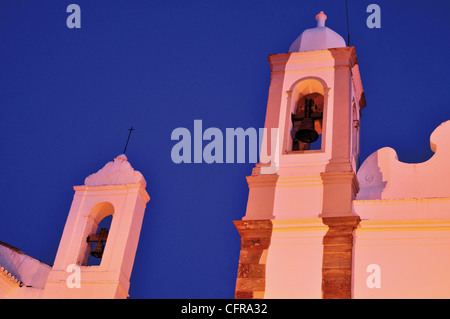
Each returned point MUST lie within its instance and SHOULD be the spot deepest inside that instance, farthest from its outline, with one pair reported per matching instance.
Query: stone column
(255, 242)
(337, 257)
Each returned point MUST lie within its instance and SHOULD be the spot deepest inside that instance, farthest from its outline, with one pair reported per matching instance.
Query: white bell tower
(296, 235)
(116, 190)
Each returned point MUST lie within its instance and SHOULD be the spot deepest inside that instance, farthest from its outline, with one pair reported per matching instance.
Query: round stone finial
(318, 38)
(321, 17)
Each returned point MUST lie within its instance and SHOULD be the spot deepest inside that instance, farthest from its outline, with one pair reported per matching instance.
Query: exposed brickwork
(337, 257)
(255, 241)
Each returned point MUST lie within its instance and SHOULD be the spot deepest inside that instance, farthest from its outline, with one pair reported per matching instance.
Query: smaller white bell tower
(116, 190)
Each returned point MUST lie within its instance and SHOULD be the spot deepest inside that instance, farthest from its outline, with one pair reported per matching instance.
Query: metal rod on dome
(129, 134)
(348, 29)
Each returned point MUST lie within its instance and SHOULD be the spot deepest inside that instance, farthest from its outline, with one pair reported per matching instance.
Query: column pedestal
(337, 257)
(255, 242)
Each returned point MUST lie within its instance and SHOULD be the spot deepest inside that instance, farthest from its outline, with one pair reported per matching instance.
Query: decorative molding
(263, 180)
(383, 176)
(341, 178)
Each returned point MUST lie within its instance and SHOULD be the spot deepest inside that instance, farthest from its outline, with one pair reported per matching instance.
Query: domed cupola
(318, 38)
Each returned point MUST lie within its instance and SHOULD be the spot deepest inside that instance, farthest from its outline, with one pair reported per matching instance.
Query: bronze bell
(100, 238)
(306, 132)
(98, 250)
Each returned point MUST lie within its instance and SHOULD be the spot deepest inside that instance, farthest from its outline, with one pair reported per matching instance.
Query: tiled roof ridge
(10, 276)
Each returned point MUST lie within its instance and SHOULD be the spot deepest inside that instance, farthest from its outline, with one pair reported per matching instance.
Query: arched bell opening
(306, 125)
(98, 241)
(96, 234)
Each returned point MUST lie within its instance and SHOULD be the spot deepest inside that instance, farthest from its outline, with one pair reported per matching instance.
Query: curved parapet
(383, 176)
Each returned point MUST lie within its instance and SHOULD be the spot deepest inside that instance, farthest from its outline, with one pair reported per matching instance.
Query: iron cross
(129, 134)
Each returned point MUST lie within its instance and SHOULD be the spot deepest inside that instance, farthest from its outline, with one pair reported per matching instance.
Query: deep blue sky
(68, 97)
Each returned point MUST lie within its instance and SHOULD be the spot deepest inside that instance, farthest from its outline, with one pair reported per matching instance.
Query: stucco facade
(316, 225)
(118, 191)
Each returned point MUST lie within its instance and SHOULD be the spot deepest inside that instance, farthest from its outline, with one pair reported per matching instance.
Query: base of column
(338, 257)
(255, 241)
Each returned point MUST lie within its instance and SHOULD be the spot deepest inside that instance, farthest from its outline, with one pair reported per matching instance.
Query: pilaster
(255, 242)
(338, 257)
